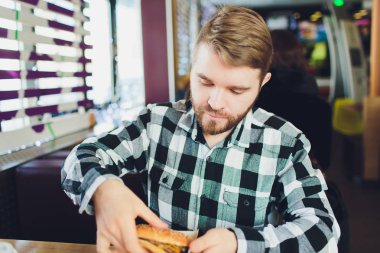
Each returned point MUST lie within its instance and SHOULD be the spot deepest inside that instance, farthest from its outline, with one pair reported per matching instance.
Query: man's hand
(116, 208)
(216, 240)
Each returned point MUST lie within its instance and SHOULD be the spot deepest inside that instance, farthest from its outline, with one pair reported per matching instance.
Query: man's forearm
(312, 230)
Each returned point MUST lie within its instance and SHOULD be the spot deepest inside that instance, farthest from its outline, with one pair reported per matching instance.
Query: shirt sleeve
(108, 156)
(308, 223)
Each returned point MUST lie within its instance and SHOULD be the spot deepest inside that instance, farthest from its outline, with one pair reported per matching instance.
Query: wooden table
(49, 247)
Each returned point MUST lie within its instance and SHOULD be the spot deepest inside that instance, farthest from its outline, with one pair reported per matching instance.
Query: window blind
(187, 28)
(43, 71)
(183, 36)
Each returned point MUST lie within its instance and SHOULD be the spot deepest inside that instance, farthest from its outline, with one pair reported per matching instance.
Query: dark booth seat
(46, 213)
(60, 154)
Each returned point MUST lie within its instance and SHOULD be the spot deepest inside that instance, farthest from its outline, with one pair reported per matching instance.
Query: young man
(215, 163)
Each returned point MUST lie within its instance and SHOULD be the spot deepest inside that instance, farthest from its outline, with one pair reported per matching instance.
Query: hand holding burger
(116, 208)
(156, 240)
(216, 240)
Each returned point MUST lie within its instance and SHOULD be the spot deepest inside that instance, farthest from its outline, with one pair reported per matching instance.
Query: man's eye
(236, 92)
(206, 83)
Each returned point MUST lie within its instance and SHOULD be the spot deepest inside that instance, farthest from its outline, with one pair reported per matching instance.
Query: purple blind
(37, 67)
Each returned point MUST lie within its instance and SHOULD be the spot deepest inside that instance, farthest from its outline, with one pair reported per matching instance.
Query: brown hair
(240, 37)
(288, 52)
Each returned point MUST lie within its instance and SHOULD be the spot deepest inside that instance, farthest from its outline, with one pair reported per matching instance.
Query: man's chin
(214, 132)
(216, 125)
(214, 129)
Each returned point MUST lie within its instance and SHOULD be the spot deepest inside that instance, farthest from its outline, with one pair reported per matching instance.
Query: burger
(157, 240)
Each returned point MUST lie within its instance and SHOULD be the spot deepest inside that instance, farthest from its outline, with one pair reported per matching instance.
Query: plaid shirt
(258, 182)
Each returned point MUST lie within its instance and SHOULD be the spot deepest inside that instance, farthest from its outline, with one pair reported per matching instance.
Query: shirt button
(165, 180)
(209, 159)
(246, 202)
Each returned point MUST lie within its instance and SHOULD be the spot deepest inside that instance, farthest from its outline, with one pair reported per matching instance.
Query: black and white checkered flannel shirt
(258, 182)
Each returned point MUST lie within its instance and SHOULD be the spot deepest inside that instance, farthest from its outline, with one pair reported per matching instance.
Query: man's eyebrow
(242, 88)
(232, 87)
(203, 76)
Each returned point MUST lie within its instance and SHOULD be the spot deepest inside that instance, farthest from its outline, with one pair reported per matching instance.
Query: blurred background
(73, 68)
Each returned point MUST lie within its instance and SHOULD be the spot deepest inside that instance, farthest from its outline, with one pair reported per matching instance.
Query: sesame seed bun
(167, 236)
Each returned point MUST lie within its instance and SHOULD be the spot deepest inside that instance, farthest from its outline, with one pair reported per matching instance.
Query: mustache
(218, 113)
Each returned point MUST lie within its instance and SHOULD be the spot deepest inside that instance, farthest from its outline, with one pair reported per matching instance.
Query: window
(101, 54)
(130, 54)
(45, 70)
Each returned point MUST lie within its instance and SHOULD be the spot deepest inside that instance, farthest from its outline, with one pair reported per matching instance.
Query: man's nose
(216, 99)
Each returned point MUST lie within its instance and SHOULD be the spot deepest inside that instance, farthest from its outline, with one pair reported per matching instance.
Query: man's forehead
(205, 56)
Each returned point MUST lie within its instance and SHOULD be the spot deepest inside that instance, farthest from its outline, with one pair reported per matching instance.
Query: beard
(224, 123)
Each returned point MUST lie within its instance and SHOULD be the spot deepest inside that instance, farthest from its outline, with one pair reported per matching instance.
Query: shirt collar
(187, 119)
(240, 136)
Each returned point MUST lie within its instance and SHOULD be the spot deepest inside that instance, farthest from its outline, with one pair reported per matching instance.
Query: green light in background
(338, 3)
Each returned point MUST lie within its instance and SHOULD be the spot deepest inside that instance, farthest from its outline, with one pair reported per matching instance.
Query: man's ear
(266, 79)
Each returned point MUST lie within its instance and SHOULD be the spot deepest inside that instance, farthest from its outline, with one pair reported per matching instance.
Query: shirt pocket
(246, 208)
(164, 178)
(164, 188)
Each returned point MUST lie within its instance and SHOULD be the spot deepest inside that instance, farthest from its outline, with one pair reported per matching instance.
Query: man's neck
(212, 140)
